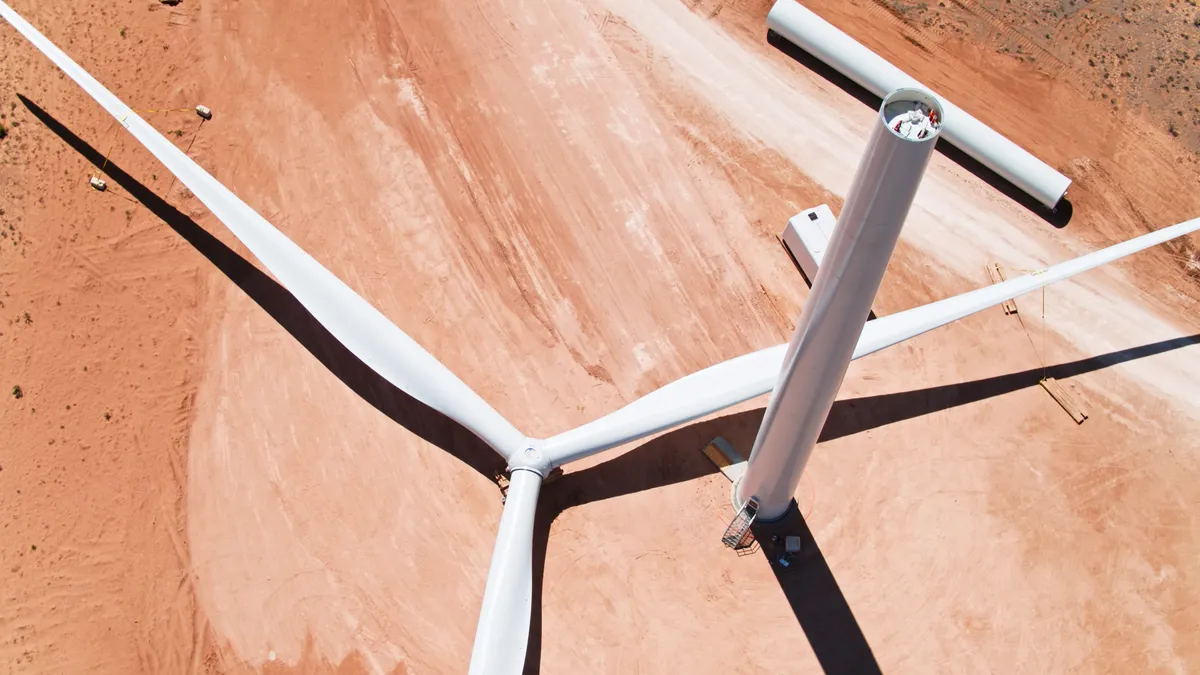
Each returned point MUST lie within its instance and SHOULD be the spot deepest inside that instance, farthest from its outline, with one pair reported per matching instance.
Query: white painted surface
(823, 343)
(384, 347)
(367, 333)
(742, 378)
(502, 634)
(807, 235)
(690, 397)
(821, 39)
(897, 328)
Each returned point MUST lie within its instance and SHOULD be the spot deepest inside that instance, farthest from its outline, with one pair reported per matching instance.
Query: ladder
(738, 535)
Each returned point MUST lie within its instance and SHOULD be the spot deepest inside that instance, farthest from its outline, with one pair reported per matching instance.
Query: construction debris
(997, 276)
(791, 545)
(97, 184)
(1065, 399)
(204, 112)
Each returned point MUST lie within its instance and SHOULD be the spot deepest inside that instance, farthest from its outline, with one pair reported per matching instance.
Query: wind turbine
(880, 196)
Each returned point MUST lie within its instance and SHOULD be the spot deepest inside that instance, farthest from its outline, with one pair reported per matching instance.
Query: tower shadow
(668, 459)
(1058, 217)
(815, 597)
(808, 585)
(665, 460)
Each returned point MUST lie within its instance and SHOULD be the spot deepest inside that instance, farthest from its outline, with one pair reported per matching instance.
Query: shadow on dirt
(284, 308)
(815, 597)
(1059, 217)
(674, 458)
(855, 415)
(669, 459)
(808, 585)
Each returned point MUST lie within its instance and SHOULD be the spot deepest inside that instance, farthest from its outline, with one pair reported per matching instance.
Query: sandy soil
(1131, 56)
(570, 204)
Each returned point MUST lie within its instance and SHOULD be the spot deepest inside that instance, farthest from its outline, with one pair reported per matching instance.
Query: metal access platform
(738, 535)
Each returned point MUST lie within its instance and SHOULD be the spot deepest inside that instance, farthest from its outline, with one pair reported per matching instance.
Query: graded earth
(570, 203)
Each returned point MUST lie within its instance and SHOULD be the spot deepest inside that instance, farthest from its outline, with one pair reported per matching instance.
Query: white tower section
(818, 37)
(833, 318)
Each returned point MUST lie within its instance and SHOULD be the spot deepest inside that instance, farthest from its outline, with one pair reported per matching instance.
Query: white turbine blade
(366, 332)
(703, 392)
(890, 330)
(745, 377)
(502, 635)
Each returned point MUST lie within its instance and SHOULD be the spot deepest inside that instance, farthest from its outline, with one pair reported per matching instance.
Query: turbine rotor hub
(531, 459)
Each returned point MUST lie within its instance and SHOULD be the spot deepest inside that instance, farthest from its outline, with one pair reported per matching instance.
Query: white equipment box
(806, 237)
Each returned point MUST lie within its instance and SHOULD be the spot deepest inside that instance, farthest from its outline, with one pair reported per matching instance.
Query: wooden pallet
(726, 458)
(993, 270)
(1064, 398)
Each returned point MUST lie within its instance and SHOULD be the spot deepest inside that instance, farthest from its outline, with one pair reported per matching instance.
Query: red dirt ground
(570, 204)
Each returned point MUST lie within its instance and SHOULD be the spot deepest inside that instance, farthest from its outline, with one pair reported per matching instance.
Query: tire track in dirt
(115, 349)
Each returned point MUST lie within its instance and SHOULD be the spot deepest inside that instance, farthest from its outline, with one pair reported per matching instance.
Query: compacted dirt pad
(569, 204)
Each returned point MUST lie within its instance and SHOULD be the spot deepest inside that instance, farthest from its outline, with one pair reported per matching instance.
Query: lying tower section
(832, 320)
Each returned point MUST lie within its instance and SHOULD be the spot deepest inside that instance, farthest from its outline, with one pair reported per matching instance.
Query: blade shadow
(665, 460)
(855, 415)
(1059, 217)
(421, 420)
(668, 459)
(809, 585)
